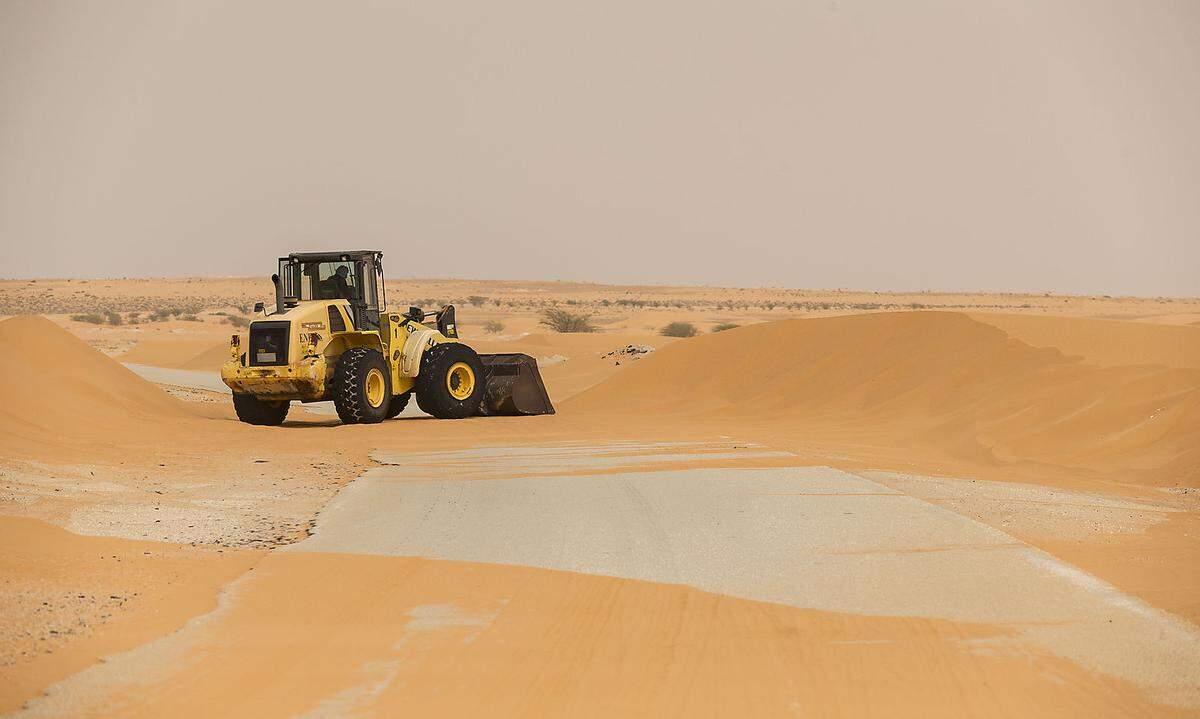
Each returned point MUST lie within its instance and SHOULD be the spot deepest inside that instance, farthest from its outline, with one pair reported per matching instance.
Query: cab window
(330, 281)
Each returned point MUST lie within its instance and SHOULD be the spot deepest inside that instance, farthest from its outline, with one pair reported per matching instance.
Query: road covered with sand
(892, 514)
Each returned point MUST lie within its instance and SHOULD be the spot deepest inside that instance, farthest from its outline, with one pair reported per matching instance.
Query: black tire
(355, 368)
(252, 410)
(397, 405)
(434, 381)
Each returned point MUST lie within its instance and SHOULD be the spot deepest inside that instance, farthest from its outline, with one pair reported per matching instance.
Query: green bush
(113, 318)
(560, 320)
(91, 319)
(237, 321)
(476, 300)
(492, 326)
(724, 326)
(678, 329)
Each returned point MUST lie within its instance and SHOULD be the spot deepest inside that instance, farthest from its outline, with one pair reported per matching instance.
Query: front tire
(362, 386)
(252, 410)
(450, 383)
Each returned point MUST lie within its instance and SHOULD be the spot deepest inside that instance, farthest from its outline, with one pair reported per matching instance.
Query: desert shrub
(493, 326)
(190, 318)
(237, 321)
(476, 300)
(561, 320)
(113, 318)
(678, 329)
(91, 319)
(724, 326)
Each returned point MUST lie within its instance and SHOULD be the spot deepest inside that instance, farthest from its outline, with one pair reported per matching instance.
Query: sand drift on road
(631, 516)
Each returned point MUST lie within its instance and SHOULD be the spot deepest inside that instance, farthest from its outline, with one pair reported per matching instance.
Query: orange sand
(70, 600)
(1065, 401)
(383, 636)
(931, 384)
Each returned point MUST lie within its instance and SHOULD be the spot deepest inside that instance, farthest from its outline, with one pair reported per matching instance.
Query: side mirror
(259, 307)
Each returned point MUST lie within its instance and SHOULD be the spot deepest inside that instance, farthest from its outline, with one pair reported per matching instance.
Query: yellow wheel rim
(460, 380)
(375, 387)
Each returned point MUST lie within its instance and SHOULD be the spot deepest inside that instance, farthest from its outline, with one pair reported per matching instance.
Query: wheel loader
(330, 337)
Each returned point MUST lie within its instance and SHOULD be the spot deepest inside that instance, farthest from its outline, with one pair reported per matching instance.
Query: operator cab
(355, 276)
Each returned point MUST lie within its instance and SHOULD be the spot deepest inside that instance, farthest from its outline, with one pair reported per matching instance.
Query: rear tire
(397, 404)
(362, 386)
(450, 383)
(252, 410)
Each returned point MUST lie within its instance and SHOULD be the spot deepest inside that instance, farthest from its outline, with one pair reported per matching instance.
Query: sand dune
(926, 380)
(57, 385)
(202, 353)
(1103, 341)
(210, 359)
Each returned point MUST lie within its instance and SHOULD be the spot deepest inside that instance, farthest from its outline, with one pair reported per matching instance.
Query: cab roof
(334, 256)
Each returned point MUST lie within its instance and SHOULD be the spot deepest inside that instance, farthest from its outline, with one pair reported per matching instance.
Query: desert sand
(896, 453)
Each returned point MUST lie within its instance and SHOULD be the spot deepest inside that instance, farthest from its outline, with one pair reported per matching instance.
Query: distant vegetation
(679, 329)
(113, 318)
(725, 326)
(237, 321)
(476, 300)
(91, 319)
(492, 326)
(561, 320)
(427, 302)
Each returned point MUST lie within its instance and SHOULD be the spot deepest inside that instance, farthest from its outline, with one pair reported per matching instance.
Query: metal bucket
(513, 386)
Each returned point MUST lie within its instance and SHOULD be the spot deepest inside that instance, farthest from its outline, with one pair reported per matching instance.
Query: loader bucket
(513, 386)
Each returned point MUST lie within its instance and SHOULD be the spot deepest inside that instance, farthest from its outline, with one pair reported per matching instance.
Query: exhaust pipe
(278, 294)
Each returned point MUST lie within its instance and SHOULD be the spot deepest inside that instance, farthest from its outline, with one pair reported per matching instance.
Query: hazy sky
(922, 144)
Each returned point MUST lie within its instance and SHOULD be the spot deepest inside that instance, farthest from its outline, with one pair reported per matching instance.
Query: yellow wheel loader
(331, 338)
